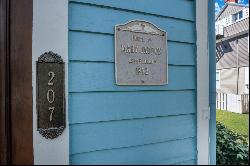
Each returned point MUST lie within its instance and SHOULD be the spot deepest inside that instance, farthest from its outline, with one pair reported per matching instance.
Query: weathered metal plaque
(50, 95)
(140, 54)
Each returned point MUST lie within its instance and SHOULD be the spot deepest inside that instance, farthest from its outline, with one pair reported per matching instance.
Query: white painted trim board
(50, 33)
(203, 110)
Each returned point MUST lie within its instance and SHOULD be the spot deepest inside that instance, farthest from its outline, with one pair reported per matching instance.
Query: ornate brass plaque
(50, 95)
(140, 54)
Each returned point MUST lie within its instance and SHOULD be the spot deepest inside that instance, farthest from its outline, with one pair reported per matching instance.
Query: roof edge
(226, 5)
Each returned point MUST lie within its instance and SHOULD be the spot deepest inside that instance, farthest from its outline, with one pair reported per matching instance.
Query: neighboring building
(232, 56)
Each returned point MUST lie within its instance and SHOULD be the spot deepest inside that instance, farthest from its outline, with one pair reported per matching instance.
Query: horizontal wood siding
(126, 133)
(187, 162)
(105, 106)
(231, 9)
(112, 124)
(149, 7)
(169, 152)
(98, 76)
(82, 43)
(226, 52)
(102, 20)
(237, 27)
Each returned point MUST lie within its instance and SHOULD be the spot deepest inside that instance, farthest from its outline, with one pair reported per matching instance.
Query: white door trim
(203, 110)
(50, 33)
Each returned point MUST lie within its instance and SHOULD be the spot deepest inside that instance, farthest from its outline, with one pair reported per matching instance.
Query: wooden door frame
(4, 83)
(16, 132)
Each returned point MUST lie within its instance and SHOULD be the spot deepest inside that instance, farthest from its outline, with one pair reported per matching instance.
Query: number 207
(51, 94)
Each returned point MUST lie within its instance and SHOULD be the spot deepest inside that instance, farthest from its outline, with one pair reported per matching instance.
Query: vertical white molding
(246, 79)
(203, 110)
(50, 33)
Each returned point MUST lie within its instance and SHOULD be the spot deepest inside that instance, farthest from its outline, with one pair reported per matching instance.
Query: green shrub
(231, 148)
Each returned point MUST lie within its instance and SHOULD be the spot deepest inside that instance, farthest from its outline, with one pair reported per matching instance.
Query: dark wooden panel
(4, 83)
(21, 81)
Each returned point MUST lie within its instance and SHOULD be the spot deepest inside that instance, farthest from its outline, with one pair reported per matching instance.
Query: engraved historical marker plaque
(140, 54)
(50, 95)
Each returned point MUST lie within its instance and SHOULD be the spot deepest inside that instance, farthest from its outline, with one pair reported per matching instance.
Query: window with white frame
(237, 16)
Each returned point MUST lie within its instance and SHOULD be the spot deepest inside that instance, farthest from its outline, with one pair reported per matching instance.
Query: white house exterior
(232, 56)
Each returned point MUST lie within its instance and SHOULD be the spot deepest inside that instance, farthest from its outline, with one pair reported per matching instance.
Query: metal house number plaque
(50, 95)
(140, 54)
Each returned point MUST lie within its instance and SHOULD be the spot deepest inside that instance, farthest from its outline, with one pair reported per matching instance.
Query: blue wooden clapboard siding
(112, 124)
(96, 76)
(102, 20)
(107, 105)
(132, 132)
(81, 42)
(158, 7)
(187, 162)
(169, 152)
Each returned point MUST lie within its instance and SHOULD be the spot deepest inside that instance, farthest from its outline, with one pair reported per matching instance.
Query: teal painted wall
(112, 124)
(212, 81)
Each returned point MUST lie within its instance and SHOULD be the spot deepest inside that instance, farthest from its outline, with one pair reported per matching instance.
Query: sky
(220, 3)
